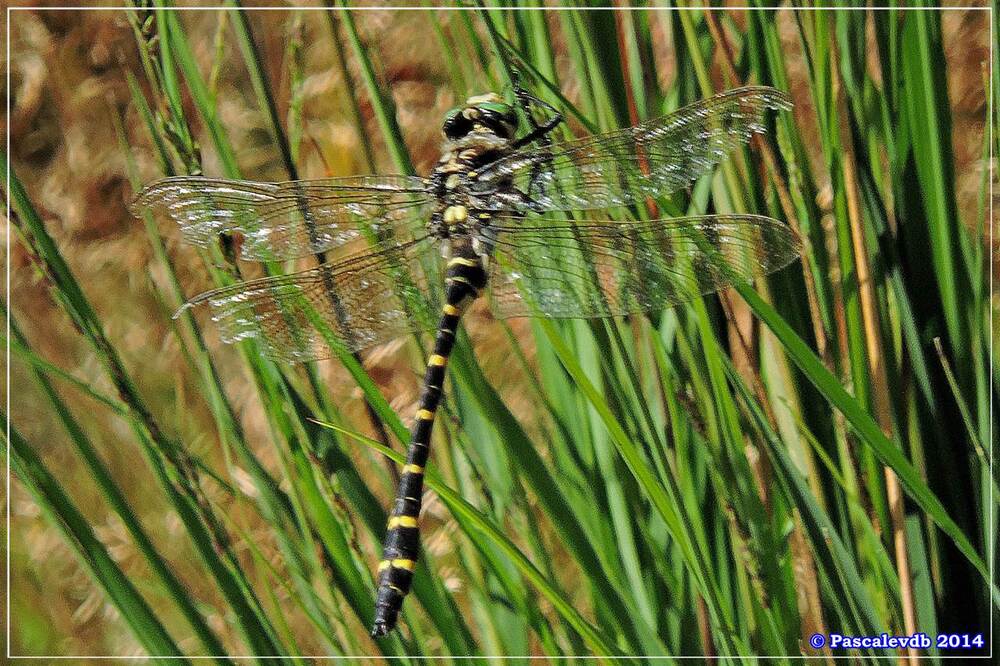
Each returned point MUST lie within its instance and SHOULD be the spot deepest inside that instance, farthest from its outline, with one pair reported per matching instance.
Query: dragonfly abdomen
(465, 280)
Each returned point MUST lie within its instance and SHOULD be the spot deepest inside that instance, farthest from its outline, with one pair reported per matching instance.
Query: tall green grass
(805, 454)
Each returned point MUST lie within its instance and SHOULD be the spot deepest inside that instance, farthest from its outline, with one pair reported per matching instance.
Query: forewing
(290, 219)
(356, 303)
(562, 268)
(619, 168)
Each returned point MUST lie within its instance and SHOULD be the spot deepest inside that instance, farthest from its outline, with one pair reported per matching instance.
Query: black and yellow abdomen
(465, 280)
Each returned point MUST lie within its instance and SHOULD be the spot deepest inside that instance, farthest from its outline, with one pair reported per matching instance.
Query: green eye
(495, 107)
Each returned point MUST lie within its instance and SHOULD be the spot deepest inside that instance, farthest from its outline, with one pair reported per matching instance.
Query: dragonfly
(557, 229)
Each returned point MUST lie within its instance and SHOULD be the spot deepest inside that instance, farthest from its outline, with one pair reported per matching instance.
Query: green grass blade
(161, 453)
(926, 102)
(462, 509)
(862, 422)
(175, 46)
(657, 494)
(385, 109)
(120, 505)
(469, 374)
(262, 87)
(51, 497)
(856, 609)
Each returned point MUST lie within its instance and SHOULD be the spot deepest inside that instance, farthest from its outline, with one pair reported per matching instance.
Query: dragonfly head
(483, 114)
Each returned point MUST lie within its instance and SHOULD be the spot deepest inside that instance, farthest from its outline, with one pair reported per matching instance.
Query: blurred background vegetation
(724, 478)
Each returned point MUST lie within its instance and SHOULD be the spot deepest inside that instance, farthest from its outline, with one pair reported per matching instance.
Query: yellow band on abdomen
(402, 521)
(409, 565)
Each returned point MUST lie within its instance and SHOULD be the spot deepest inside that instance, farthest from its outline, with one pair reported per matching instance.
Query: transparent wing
(562, 268)
(361, 301)
(619, 168)
(290, 219)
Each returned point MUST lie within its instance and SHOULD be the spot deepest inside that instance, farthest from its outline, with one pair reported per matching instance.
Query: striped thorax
(475, 134)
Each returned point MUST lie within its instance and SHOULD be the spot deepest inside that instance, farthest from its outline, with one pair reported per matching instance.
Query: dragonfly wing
(653, 158)
(290, 219)
(355, 303)
(567, 269)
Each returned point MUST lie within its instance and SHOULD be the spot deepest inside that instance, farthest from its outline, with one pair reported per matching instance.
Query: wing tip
(147, 199)
(141, 202)
(189, 305)
(786, 239)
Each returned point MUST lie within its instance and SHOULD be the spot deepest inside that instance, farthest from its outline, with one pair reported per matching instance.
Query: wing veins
(599, 270)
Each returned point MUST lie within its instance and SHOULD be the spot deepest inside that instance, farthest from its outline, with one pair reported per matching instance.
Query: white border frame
(989, 137)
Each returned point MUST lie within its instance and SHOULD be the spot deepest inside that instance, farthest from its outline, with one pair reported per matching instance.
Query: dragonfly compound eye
(488, 112)
(456, 124)
(499, 117)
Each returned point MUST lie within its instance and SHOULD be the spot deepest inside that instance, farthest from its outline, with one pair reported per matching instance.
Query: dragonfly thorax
(475, 135)
(458, 222)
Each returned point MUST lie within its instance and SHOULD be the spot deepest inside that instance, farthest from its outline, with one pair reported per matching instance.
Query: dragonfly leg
(538, 132)
(465, 280)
